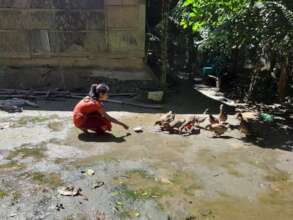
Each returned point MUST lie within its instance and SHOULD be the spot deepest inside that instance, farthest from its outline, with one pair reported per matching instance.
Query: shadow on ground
(105, 138)
(181, 98)
(277, 141)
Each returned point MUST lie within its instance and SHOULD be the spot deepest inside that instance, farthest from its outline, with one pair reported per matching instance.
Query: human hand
(125, 126)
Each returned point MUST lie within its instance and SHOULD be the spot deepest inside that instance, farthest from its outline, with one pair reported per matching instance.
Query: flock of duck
(218, 125)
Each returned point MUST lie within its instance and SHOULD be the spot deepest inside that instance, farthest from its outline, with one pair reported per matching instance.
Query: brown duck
(218, 129)
(223, 117)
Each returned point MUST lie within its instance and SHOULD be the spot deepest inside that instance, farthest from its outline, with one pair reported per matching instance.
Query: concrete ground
(149, 175)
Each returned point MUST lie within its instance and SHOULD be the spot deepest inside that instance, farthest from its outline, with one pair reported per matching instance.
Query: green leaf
(188, 2)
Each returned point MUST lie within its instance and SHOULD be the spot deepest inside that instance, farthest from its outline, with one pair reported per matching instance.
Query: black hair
(97, 89)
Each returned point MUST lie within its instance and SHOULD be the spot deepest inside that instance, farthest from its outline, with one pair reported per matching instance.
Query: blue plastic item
(207, 71)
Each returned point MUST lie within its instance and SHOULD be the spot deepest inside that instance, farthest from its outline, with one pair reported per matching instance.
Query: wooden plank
(140, 105)
(213, 93)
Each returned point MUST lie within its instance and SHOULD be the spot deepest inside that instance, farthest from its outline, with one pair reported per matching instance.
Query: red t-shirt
(83, 108)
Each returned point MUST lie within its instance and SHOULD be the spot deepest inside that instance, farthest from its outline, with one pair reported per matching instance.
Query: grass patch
(2, 194)
(16, 196)
(226, 160)
(60, 160)
(277, 176)
(77, 216)
(12, 165)
(129, 213)
(68, 218)
(137, 185)
(231, 169)
(280, 193)
(185, 182)
(93, 160)
(142, 193)
(24, 151)
(281, 188)
(139, 173)
(133, 186)
(49, 179)
(27, 120)
(55, 125)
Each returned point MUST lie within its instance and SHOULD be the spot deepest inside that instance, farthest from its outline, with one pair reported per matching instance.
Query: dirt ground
(150, 175)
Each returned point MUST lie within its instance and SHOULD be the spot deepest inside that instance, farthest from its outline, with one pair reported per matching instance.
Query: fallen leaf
(138, 129)
(119, 203)
(90, 172)
(98, 184)
(100, 215)
(69, 191)
(164, 180)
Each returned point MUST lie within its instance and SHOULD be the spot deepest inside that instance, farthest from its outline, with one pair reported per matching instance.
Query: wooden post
(164, 42)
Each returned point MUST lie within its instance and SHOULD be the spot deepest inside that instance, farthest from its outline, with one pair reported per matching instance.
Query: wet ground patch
(28, 150)
(25, 121)
(140, 185)
(52, 180)
(145, 176)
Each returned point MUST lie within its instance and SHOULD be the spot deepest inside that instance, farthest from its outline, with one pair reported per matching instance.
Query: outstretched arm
(113, 120)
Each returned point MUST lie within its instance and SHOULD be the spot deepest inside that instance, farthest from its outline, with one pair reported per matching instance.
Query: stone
(95, 21)
(21, 3)
(67, 43)
(95, 42)
(78, 4)
(113, 2)
(40, 44)
(104, 33)
(14, 45)
(70, 20)
(124, 41)
(126, 17)
(156, 96)
(41, 4)
(15, 3)
(14, 19)
(41, 20)
(131, 2)
(6, 3)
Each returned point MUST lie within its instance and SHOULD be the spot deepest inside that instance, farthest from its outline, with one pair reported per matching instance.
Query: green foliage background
(256, 36)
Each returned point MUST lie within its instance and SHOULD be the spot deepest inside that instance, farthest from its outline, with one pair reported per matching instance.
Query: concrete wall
(103, 33)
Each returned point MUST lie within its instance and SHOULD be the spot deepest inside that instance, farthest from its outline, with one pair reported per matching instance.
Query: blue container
(207, 70)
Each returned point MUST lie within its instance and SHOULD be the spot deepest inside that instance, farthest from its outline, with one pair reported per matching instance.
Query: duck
(176, 123)
(174, 126)
(213, 120)
(218, 129)
(201, 119)
(223, 117)
(166, 118)
(244, 125)
(192, 122)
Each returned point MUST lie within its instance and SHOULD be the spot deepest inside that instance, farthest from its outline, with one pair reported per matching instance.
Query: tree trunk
(252, 85)
(283, 81)
(164, 42)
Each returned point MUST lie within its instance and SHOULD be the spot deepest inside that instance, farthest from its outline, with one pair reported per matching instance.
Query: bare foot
(85, 131)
